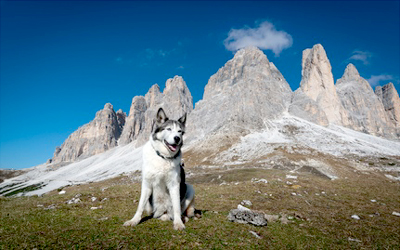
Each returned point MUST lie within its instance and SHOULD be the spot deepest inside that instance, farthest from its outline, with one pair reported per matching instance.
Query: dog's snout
(177, 139)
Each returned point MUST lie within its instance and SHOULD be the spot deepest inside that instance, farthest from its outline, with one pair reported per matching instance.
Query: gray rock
(317, 83)
(247, 91)
(95, 137)
(135, 122)
(176, 100)
(306, 108)
(366, 112)
(389, 97)
(247, 216)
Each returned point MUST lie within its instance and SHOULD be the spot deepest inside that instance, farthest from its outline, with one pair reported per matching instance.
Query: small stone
(255, 234)
(94, 208)
(291, 176)
(373, 200)
(93, 199)
(356, 217)
(396, 214)
(240, 207)
(62, 192)
(247, 216)
(262, 181)
(246, 203)
(352, 239)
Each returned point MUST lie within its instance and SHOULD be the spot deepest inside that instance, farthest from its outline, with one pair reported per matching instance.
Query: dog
(165, 195)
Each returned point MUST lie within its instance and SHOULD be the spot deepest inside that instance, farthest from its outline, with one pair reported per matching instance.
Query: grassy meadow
(318, 211)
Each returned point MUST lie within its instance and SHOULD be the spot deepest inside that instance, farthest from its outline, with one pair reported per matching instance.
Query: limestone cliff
(95, 137)
(366, 112)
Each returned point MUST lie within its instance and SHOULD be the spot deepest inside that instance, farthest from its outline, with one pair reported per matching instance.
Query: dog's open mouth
(172, 147)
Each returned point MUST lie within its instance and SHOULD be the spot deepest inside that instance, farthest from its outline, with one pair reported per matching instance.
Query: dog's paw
(179, 225)
(131, 223)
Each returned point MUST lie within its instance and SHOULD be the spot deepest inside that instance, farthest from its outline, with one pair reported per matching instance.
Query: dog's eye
(169, 129)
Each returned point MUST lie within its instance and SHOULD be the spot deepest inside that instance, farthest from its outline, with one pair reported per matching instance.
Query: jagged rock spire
(95, 137)
(247, 91)
(389, 97)
(176, 100)
(365, 112)
(317, 84)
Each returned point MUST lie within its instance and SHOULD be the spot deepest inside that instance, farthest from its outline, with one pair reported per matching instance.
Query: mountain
(176, 100)
(241, 96)
(95, 137)
(248, 118)
(316, 100)
(389, 97)
(366, 112)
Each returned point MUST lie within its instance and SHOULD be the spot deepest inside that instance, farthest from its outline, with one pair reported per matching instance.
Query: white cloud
(363, 56)
(375, 80)
(264, 36)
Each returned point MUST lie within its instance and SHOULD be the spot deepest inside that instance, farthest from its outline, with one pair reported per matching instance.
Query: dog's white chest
(157, 168)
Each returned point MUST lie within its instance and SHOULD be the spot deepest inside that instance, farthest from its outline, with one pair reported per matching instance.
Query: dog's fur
(165, 194)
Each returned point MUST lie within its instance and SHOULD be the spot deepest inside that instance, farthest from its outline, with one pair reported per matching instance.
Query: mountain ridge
(249, 116)
(250, 90)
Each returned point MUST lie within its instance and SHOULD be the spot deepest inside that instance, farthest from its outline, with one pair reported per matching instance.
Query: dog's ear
(182, 119)
(161, 117)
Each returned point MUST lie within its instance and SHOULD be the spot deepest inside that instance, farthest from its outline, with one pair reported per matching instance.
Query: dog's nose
(177, 139)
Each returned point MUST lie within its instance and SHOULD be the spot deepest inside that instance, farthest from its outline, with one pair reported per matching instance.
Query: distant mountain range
(248, 117)
(245, 93)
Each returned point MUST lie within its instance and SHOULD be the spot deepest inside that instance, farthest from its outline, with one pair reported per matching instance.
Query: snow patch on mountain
(301, 136)
(112, 163)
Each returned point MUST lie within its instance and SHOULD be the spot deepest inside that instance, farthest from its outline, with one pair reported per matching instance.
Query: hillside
(248, 117)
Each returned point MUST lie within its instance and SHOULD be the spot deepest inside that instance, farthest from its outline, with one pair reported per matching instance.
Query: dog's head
(169, 132)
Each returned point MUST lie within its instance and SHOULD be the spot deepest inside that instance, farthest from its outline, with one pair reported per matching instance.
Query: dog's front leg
(144, 197)
(176, 207)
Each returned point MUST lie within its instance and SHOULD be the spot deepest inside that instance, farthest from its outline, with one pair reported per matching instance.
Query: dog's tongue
(172, 147)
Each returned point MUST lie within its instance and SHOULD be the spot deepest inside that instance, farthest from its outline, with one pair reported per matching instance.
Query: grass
(322, 215)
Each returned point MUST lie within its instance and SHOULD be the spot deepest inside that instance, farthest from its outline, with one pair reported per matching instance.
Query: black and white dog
(165, 194)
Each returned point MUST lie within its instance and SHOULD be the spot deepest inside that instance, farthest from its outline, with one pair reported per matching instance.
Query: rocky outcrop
(365, 111)
(317, 83)
(306, 108)
(95, 137)
(247, 91)
(176, 100)
(135, 122)
(389, 97)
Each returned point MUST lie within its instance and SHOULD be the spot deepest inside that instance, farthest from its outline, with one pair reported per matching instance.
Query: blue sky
(61, 61)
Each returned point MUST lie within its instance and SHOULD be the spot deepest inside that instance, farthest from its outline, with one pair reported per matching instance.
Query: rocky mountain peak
(317, 83)
(108, 106)
(389, 97)
(245, 62)
(365, 112)
(350, 74)
(95, 137)
(176, 100)
(244, 93)
(153, 96)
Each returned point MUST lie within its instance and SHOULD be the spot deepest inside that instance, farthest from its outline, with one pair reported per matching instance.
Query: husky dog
(164, 192)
